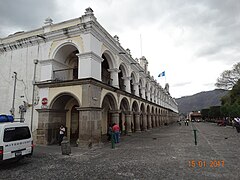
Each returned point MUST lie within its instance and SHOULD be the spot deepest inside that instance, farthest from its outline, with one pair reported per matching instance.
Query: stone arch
(125, 110)
(68, 64)
(64, 109)
(124, 104)
(148, 117)
(122, 74)
(133, 81)
(107, 55)
(140, 87)
(142, 117)
(147, 94)
(107, 65)
(109, 108)
(135, 126)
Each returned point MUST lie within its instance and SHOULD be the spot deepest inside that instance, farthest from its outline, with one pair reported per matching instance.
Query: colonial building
(76, 74)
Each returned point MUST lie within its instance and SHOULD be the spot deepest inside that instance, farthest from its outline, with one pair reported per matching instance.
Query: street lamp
(33, 91)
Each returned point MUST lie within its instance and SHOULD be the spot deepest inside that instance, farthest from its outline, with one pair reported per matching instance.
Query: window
(16, 134)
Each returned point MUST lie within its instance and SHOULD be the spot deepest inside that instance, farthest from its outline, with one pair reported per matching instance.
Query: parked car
(15, 139)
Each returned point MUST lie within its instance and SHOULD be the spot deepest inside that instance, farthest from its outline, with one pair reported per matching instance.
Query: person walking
(116, 131)
(61, 134)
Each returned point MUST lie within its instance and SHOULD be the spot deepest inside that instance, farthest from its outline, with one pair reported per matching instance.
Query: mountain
(200, 100)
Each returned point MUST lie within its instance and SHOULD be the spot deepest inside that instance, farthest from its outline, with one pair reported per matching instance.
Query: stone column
(159, 124)
(127, 84)
(149, 124)
(89, 66)
(143, 92)
(89, 125)
(137, 122)
(128, 121)
(148, 95)
(114, 76)
(136, 88)
(144, 121)
(152, 96)
(153, 121)
(115, 116)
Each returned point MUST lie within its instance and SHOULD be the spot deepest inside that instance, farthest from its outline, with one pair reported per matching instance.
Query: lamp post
(14, 91)
(33, 91)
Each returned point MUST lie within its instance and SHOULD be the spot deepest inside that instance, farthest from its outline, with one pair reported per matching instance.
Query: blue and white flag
(161, 74)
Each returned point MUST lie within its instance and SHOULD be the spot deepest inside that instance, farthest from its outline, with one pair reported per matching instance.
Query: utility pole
(33, 91)
(12, 110)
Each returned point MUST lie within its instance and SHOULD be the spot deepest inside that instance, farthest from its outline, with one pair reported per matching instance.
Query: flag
(161, 74)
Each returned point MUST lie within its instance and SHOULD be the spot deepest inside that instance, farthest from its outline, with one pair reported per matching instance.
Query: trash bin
(65, 146)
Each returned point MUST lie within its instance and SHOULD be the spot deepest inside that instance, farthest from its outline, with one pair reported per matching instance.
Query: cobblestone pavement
(167, 152)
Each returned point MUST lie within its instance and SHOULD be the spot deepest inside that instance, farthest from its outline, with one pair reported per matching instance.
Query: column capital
(126, 78)
(128, 112)
(135, 84)
(91, 55)
(114, 70)
(115, 111)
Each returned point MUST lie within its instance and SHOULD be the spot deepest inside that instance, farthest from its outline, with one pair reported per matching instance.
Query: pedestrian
(116, 131)
(179, 122)
(109, 133)
(237, 124)
(233, 124)
(61, 133)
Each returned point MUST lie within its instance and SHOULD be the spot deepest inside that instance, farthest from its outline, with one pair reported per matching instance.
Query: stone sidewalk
(167, 152)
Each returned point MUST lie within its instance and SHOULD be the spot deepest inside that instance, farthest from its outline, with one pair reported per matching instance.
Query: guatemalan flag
(161, 74)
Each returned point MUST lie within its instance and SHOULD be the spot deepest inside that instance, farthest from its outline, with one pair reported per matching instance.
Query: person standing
(109, 133)
(61, 134)
(116, 131)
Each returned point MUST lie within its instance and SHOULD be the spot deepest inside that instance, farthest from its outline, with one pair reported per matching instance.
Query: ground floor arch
(63, 110)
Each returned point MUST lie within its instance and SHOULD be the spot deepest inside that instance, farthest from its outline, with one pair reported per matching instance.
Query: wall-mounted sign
(44, 101)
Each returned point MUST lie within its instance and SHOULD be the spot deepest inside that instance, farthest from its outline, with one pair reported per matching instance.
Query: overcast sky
(193, 41)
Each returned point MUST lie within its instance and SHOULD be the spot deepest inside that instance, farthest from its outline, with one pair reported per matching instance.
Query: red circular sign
(44, 101)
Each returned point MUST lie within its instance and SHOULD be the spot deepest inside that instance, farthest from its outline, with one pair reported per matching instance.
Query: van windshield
(16, 134)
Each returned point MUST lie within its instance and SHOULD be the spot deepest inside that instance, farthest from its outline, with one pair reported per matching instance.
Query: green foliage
(205, 113)
(214, 112)
(231, 102)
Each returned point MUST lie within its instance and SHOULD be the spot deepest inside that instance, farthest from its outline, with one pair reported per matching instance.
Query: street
(167, 152)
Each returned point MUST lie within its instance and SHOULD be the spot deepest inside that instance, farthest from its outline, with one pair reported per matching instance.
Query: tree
(229, 78)
(205, 113)
(214, 112)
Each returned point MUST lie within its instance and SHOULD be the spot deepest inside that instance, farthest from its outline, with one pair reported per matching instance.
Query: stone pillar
(137, 121)
(114, 76)
(127, 84)
(115, 116)
(89, 66)
(144, 122)
(152, 96)
(159, 124)
(148, 95)
(143, 92)
(136, 88)
(48, 127)
(129, 122)
(89, 125)
(156, 120)
(153, 121)
(149, 124)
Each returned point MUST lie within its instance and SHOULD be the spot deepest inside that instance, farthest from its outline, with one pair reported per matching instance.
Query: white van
(15, 140)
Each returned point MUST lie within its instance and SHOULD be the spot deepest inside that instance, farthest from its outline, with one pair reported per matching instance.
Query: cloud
(24, 15)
